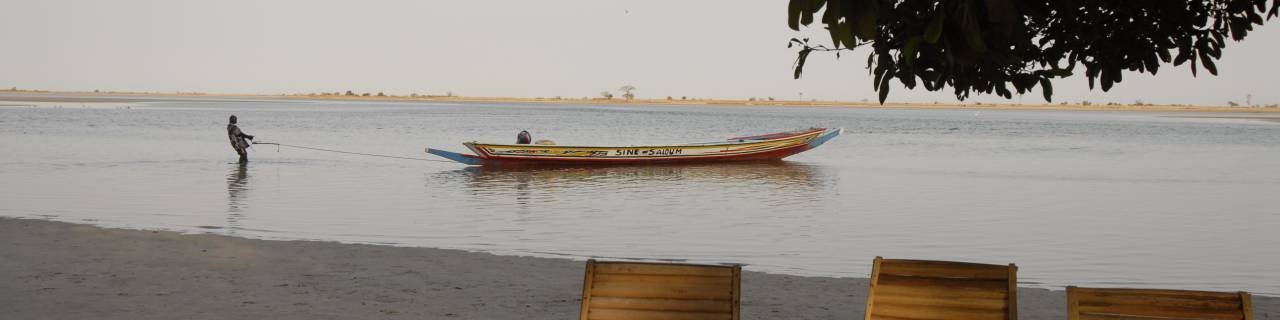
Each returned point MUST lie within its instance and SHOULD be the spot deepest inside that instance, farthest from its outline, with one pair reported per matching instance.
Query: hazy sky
(709, 49)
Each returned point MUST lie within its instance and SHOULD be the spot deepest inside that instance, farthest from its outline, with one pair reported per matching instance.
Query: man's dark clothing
(238, 141)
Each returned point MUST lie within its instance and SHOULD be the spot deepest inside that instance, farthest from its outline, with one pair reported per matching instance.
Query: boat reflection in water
(770, 183)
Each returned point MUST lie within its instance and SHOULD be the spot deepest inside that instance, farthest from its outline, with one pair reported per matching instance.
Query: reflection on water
(775, 182)
(777, 173)
(237, 189)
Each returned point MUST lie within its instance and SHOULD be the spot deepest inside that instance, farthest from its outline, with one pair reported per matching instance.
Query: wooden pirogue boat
(774, 146)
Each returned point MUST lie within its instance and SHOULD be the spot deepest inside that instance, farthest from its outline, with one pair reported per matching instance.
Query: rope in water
(278, 145)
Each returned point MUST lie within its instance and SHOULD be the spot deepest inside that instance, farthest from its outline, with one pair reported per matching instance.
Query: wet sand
(54, 270)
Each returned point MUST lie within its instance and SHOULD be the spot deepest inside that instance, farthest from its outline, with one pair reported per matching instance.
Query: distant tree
(366, 94)
(668, 98)
(449, 94)
(1233, 104)
(349, 93)
(752, 99)
(380, 94)
(606, 95)
(627, 92)
(986, 46)
(770, 98)
(684, 98)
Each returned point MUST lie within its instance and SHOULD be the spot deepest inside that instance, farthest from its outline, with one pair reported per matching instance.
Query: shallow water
(1074, 198)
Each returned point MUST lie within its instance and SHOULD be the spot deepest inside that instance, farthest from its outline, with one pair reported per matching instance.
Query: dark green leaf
(841, 34)
(934, 30)
(1092, 75)
(879, 75)
(1208, 63)
(1046, 87)
(865, 26)
(909, 50)
(1182, 57)
(793, 14)
(800, 61)
(907, 79)
(806, 15)
(1193, 65)
(1106, 80)
(884, 89)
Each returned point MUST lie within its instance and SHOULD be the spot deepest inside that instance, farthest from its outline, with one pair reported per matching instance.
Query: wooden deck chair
(633, 290)
(1095, 303)
(941, 290)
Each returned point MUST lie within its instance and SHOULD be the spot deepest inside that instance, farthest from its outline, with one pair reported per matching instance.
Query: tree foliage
(988, 46)
(627, 92)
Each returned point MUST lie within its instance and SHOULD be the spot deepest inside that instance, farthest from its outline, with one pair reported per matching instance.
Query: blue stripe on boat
(454, 156)
(831, 133)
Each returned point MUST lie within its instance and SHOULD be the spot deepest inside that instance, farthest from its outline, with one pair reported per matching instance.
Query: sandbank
(56, 270)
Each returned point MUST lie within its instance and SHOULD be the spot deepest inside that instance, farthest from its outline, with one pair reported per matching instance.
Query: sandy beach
(55, 270)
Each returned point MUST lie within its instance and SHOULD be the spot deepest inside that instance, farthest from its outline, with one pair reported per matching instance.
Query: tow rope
(278, 145)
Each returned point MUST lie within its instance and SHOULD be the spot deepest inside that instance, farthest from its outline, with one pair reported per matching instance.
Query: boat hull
(770, 147)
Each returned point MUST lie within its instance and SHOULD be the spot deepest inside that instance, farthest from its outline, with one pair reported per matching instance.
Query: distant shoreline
(88, 97)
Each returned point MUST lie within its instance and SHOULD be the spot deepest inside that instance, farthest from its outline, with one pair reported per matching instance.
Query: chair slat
(1160, 311)
(922, 312)
(661, 291)
(1180, 302)
(945, 269)
(721, 306)
(661, 269)
(912, 291)
(663, 279)
(1109, 292)
(622, 314)
(972, 303)
(1101, 303)
(945, 283)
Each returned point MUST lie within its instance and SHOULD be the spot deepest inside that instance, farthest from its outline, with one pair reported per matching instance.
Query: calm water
(1074, 198)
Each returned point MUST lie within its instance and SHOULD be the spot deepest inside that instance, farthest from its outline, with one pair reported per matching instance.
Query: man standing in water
(237, 140)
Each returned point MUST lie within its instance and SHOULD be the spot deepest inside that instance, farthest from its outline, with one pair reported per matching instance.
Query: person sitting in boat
(524, 137)
(237, 140)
